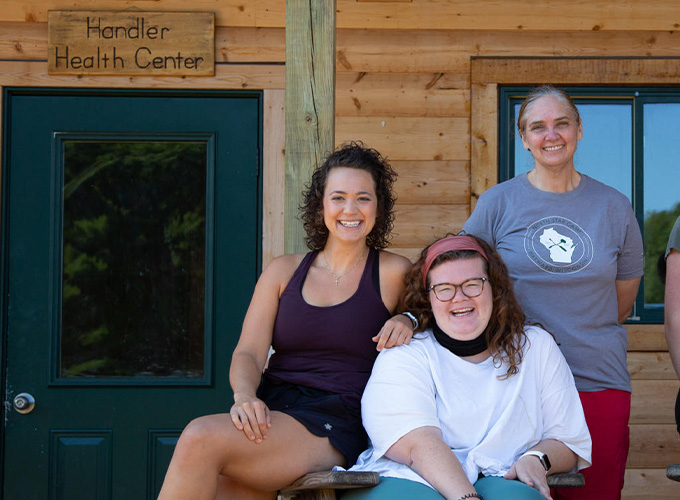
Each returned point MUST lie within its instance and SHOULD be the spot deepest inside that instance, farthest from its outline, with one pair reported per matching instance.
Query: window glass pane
(661, 188)
(133, 284)
(604, 153)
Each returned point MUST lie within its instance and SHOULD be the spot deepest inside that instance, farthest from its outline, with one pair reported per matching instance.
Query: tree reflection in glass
(133, 285)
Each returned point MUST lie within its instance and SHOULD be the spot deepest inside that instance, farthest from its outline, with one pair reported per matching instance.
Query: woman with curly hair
(478, 405)
(326, 315)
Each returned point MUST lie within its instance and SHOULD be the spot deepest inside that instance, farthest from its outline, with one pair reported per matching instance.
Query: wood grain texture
(483, 139)
(253, 13)
(432, 182)
(512, 15)
(596, 15)
(646, 338)
(653, 401)
(564, 71)
(655, 365)
(418, 225)
(409, 138)
(395, 51)
(653, 446)
(274, 173)
(334, 479)
(401, 94)
(34, 74)
(645, 484)
(310, 103)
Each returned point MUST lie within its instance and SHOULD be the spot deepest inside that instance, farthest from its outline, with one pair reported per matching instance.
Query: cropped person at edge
(322, 312)
(672, 305)
(574, 251)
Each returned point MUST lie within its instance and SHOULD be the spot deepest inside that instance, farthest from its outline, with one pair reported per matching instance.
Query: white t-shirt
(487, 422)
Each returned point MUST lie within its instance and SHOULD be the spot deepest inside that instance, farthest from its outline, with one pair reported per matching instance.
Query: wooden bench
(322, 485)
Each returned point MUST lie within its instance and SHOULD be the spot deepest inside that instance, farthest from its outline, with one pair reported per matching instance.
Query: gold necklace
(337, 277)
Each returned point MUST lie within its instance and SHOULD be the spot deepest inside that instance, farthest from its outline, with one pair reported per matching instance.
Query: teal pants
(491, 488)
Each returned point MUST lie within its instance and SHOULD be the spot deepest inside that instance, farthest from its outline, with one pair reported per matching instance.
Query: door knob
(24, 403)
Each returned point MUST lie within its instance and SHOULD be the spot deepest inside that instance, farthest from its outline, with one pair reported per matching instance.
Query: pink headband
(446, 245)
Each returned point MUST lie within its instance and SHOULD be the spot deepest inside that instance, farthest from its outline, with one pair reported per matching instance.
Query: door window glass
(133, 265)
(661, 190)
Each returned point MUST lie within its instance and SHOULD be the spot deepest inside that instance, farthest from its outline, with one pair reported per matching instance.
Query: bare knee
(199, 440)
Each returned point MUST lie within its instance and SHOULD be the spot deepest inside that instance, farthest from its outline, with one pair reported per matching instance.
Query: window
(630, 143)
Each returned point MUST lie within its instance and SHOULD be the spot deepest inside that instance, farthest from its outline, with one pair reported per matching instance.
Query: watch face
(546, 462)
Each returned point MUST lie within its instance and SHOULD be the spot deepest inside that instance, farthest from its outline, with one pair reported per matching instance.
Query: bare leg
(211, 446)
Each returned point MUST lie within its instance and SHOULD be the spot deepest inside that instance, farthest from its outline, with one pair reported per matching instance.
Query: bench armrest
(566, 480)
(345, 480)
(333, 480)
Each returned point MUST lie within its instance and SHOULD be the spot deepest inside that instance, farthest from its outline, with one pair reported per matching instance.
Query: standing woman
(574, 251)
(322, 312)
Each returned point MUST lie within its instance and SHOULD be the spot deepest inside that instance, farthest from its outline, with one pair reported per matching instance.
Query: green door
(130, 251)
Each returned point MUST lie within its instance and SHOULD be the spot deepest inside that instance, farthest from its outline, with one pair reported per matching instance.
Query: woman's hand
(530, 471)
(396, 331)
(251, 415)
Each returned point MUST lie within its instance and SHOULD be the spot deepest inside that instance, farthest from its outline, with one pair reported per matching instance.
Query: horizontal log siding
(403, 86)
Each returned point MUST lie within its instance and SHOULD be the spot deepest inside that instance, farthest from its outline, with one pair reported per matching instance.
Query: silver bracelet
(414, 320)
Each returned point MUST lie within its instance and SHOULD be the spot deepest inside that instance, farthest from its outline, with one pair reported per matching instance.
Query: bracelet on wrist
(414, 320)
(471, 495)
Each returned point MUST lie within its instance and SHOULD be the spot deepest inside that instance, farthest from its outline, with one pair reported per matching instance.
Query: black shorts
(322, 413)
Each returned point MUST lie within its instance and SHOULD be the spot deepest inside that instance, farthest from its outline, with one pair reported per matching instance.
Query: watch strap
(542, 457)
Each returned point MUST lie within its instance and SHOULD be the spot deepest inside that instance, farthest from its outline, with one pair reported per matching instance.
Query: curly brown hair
(505, 332)
(350, 155)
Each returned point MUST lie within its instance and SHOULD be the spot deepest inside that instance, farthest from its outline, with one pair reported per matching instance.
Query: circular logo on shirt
(558, 245)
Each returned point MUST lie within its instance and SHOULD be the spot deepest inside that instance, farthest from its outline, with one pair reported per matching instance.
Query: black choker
(460, 348)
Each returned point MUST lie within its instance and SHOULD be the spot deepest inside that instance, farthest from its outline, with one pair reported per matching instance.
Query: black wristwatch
(542, 457)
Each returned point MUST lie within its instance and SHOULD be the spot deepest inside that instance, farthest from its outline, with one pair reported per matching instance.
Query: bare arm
(393, 267)
(626, 292)
(672, 303)
(529, 470)
(248, 413)
(423, 450)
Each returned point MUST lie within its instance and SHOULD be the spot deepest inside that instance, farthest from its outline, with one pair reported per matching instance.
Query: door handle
(24, 403)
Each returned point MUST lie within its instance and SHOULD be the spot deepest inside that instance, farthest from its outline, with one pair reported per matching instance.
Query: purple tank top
(328, 348)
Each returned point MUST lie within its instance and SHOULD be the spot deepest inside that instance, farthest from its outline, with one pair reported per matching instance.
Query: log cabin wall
(417, 80)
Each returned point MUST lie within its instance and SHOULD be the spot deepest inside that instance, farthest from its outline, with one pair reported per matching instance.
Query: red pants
(607, 413)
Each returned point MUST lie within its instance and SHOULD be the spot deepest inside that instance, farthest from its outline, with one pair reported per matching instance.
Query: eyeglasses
(447, 291)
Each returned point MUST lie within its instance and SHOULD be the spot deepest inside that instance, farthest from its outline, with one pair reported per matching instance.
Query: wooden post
(310, 102)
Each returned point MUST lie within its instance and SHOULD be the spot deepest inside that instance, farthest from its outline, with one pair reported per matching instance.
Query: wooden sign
(131, 43)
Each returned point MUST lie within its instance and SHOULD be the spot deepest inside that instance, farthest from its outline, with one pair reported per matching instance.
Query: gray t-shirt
(674, 238)
(564, 252)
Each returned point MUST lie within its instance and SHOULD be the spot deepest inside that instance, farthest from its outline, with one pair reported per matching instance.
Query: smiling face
(551, 132)
(461, 318)
(350, 203)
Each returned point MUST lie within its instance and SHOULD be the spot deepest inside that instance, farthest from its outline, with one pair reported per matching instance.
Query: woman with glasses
(325, 313)
(478, 405)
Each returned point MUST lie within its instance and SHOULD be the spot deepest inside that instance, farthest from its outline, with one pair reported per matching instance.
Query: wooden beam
(573, 71)
(310, 102)
(483, 139)
(273, 162)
